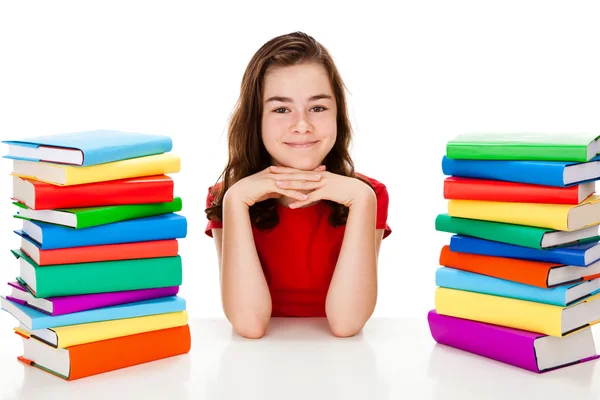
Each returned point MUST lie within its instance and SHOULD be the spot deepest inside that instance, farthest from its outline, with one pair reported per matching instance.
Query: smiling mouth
(301, 145)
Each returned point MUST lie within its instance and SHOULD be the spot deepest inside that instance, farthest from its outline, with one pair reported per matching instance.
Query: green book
(99, 277)
(86, 217)
(573, 147)
(520, 235)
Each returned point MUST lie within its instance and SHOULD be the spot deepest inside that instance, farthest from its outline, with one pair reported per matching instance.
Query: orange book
(109, 252)
(95, 358)
(535, 273)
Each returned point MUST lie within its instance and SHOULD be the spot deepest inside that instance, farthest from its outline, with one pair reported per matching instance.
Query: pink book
(70, 304)
(532, 351)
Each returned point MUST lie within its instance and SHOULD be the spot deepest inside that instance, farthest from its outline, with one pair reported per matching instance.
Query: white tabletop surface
(300, 359)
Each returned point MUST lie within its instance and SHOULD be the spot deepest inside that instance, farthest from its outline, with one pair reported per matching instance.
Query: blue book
(88, 148)
(560, 295)
(159, 227)
(548, 173)
(580, 255)
(34, 319)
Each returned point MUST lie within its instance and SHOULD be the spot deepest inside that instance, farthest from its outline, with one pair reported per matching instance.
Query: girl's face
(299, 115)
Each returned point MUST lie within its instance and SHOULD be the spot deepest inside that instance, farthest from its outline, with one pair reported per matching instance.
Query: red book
(457, 188)
(45, 196)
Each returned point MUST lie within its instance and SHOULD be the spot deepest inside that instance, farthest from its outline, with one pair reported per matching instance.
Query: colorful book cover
(66, 175)
(98, 357)
(507, 345)
(33, 319)
(71, 304)
(581, 255)
(457, 188)
(93, 216)
(563, 295)
(99, 277)
(524, 146)
(140, 190)
(548, 173)
(160, 227)
(519, 235)
(93, 147)
(563, 217)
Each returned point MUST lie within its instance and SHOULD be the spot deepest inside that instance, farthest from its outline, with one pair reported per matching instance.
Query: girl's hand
(338, 188)
(261, 186)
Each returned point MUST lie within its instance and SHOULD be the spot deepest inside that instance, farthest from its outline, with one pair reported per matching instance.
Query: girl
(297, 231)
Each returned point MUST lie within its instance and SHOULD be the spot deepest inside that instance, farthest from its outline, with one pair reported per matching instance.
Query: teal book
(98, 277)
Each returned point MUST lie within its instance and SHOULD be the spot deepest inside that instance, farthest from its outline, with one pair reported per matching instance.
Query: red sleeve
(211, 223)
(383, 201)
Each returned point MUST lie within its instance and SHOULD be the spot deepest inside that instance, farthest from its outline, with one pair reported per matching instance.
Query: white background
(419, 73)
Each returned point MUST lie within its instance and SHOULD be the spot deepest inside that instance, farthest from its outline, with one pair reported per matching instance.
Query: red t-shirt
(298, 256)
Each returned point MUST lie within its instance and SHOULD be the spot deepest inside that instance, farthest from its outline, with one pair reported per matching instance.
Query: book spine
(519, 235)
(490, 341)
(495, 151)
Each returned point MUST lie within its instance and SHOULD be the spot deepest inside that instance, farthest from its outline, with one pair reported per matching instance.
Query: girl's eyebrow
(289, 100)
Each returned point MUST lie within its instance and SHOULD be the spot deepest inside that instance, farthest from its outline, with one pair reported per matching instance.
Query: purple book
(71, 304)
(532, 351)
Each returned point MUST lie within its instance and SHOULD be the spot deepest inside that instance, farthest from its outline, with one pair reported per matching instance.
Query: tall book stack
(520, 280)
(98, 266)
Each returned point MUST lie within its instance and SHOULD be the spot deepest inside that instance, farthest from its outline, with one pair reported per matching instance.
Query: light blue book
(88, 148)
(560, 295)
(34, 319)
(159, 227)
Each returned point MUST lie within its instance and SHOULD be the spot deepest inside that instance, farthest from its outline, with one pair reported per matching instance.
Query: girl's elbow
(250, 329)
(344, 327)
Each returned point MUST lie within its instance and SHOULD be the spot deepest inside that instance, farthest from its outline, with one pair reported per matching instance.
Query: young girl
(297, 231)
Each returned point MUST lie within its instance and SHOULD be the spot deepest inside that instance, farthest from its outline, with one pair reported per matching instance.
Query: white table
(299, 359)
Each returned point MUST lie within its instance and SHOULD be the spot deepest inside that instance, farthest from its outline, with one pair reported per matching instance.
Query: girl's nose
(302, 124)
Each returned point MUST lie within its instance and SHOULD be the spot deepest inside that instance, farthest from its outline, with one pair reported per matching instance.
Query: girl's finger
(312, 197)
(300, 176)
(306, 185)
(292, 194)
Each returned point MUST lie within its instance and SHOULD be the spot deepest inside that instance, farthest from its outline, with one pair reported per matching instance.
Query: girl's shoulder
(212, 193)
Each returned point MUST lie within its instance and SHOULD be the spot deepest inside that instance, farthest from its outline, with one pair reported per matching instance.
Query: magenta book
(71, 304)
(532, 351)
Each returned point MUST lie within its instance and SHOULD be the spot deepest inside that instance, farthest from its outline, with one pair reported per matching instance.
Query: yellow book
(71, 335)
(66, 175)
(530, 316)
(561, 217)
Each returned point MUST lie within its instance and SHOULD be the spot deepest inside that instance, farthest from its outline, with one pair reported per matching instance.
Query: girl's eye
(280, 110)
(319, 108)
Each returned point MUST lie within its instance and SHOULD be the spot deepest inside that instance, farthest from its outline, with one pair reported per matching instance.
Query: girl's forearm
(353, 290)
(244, 290)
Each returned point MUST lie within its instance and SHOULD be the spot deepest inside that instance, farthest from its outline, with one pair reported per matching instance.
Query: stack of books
(520, 280)
(99, 269)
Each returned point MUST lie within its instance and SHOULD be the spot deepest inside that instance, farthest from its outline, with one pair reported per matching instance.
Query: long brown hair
(247, 153)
